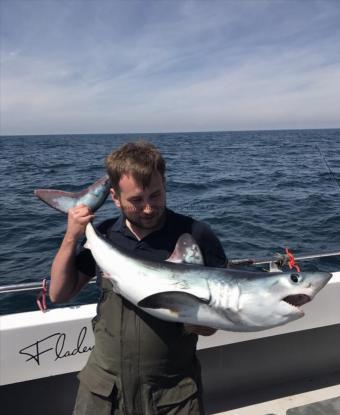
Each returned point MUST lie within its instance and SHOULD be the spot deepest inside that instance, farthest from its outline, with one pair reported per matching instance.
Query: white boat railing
(27, 286)
(275, 263)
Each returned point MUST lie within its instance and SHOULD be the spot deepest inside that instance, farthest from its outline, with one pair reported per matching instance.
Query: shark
(182, 289)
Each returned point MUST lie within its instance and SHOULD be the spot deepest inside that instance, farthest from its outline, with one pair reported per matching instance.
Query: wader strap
(105, 284)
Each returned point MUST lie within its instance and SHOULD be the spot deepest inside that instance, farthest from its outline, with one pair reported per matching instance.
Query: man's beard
(155, 222)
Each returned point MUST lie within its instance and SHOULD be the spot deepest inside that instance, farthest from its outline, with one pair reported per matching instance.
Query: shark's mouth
(297, 300)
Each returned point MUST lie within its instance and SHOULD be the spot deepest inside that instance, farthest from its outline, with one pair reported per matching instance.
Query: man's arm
(66, 280)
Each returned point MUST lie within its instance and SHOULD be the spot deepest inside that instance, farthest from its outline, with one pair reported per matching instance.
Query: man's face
(143, 208)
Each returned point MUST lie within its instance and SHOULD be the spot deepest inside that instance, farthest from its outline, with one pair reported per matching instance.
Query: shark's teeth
(297, 300)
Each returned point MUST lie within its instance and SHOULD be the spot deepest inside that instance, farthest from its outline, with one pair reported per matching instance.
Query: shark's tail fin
(93, 196)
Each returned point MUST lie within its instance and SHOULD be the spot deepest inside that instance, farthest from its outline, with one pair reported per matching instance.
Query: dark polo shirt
(133, 348)
(159, 245)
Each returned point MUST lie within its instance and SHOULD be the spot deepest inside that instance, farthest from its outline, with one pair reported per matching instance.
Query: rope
(41, 297)
(291, 261)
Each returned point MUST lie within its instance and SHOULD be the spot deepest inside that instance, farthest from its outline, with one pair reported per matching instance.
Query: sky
(134, 66)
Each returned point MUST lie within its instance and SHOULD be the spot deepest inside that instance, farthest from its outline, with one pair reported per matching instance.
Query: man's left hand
(200, 330)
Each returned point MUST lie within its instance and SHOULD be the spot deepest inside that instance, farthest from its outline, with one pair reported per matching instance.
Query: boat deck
(318, 396)
(319, 401)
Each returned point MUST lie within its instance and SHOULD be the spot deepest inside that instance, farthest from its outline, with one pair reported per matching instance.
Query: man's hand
(78, 218)
(200, 330)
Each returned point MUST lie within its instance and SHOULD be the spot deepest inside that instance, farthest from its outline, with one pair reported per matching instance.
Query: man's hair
(140, 160)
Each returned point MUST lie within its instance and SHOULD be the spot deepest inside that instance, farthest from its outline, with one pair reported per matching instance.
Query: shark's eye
(296, 278)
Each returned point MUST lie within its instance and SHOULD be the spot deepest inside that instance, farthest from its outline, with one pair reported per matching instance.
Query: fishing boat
(292, 369)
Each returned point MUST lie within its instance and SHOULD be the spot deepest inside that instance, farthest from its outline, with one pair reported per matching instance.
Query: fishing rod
(280, 259)
(328, 167)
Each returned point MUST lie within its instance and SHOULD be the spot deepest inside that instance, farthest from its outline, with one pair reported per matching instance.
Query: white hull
(38, 345)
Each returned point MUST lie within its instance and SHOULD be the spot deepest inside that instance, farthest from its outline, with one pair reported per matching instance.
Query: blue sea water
(260, 191)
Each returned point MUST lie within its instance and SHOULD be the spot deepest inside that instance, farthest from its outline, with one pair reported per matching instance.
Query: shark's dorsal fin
(187, 251)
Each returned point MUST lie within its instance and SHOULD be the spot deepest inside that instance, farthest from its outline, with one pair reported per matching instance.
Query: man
(140, 364)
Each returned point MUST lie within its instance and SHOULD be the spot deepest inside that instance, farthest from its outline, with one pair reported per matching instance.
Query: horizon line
(169, 132)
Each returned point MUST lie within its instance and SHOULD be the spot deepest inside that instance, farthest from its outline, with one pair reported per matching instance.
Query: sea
(260, 191)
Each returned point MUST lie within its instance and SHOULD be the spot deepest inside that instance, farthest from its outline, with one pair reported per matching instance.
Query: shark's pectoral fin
(174, 301)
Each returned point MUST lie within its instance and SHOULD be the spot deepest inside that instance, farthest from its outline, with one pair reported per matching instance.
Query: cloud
(86, 66)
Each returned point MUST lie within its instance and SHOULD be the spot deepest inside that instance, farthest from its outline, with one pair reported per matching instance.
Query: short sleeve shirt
(159, 245)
